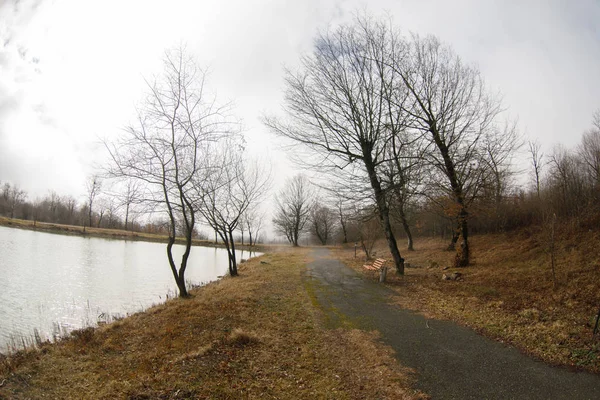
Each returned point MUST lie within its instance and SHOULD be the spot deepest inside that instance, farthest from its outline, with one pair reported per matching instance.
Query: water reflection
(56, 283)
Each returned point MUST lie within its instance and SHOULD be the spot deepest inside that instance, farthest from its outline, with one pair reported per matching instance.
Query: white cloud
(72, 70)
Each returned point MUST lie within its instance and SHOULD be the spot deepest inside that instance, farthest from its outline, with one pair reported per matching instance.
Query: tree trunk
(186, 253)
(406, 227)
(384, 213)
(233, 265)
(454, 240)
(180, 282)
(345, 233)
(182, 289)
(462, 256)
(127, 217)
(249, 234)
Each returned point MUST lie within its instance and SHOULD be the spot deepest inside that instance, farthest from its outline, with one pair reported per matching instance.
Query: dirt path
(452, 362)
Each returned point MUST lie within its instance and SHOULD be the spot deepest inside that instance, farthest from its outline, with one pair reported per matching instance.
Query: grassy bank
(508, 293)
(257, 335)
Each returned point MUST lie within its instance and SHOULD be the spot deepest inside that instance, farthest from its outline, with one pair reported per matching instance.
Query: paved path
(452, 362)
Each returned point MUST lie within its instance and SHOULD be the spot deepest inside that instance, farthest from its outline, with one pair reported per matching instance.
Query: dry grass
(508, 292)
(257, 335)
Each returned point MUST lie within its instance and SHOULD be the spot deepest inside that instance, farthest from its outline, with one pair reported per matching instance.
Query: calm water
(56, 283)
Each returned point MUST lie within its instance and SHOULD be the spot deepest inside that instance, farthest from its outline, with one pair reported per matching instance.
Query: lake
(56, 283)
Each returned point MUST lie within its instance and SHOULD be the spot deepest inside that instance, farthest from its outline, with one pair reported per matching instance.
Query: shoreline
(111, 234)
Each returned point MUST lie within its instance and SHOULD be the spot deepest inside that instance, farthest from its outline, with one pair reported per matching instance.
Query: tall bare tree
(450, 104)
(293, 205)
(338, 106)
(166, 149)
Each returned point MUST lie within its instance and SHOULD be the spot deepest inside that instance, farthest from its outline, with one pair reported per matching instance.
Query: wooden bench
(376, 266)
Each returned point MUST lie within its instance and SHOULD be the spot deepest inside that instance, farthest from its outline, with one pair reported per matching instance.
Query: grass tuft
(238, 337)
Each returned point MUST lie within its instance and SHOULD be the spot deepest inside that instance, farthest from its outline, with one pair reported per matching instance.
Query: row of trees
(564, 183)
(390, 117)
(325, 219)
(99, 209)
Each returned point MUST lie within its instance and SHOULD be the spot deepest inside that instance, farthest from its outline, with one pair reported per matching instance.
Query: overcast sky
(72, 70)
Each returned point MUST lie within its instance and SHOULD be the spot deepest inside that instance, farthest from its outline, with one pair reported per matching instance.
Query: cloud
(17, 68)
(28, 127)
(72, 70)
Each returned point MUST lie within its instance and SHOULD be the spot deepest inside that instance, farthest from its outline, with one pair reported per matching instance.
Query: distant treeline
(108, 211)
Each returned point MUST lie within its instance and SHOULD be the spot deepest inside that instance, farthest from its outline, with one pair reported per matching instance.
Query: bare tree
(255, 224)
(401, 174)
(231, 187)
(566, 181)
(165, 150)
(109, 207)
(92, 186)
(15, 196)
(323, 222)
(369, 231)
(449, 103)
(500, 146)
(71, 205)
(253, 221)
(343, 216)
(537, 162)
(589, 151)
(338, 106)
(130, 196)
(53, 201)
(293, 206)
